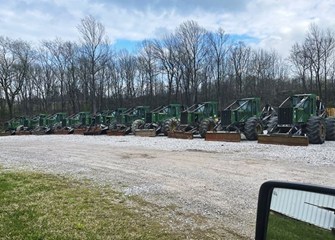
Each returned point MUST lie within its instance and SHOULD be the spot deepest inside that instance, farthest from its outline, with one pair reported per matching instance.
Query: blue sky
(269, 24)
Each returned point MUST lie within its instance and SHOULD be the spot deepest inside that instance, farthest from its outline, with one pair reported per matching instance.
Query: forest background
(189, 65)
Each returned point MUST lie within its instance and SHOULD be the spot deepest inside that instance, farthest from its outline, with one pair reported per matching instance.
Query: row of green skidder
(301, 119)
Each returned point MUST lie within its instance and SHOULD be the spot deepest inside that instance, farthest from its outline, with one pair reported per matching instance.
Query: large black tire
(170, 124)
(330, 129)
(207, 124)
(252, 128)
(316, 130)
(136, 125)
(272, 125)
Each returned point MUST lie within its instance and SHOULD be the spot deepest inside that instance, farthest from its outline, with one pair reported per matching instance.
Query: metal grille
(183, 118)
(285, 116)
(226, 117)
(148, 117)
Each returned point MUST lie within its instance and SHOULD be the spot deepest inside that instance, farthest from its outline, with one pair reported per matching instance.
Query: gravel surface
(218, 181)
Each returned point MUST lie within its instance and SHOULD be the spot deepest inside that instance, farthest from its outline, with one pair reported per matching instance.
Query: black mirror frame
(264, 201)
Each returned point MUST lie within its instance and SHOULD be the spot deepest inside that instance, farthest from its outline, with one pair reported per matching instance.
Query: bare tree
(192, 49)
(128, 71)
(148, 68)
(44, 79)
(115, 82)
(240, 56)
(218, 51)
(15, 59)
(313, 49)
(328, 47)
(27, 94)
(314, 56)
(262, 74)
(300, 63)
(161, 54)
(331, 77)
(60, 60)
(70, 52)
(95, 47)
(166, 52)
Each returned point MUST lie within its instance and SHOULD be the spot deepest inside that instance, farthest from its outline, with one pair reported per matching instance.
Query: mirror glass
(296, 214)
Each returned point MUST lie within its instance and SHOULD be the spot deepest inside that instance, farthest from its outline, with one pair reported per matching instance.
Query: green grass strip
(40, 206)
(282, 227)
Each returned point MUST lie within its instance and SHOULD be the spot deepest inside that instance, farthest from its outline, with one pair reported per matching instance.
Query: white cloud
(276, 24)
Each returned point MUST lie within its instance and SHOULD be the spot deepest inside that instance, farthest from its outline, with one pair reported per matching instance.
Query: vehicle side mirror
(295, 211)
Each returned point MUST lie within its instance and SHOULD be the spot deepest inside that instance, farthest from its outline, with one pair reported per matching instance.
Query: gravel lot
(215, 180)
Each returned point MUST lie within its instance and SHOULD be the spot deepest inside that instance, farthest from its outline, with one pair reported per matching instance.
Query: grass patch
(44, 206)
(40, 206)
(282, 227)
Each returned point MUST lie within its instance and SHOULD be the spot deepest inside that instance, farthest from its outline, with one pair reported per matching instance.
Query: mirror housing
(265, 196)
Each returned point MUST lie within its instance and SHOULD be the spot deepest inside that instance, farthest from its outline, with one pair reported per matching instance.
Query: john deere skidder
(159, 120)
(79, 122)
(197, 119)
(16, 125)
(125, 120)
(57, 123)
(300, 121)
(98, 124)
(242, 116)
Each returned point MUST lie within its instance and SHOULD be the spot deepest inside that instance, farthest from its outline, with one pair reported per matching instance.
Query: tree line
(187, 66)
